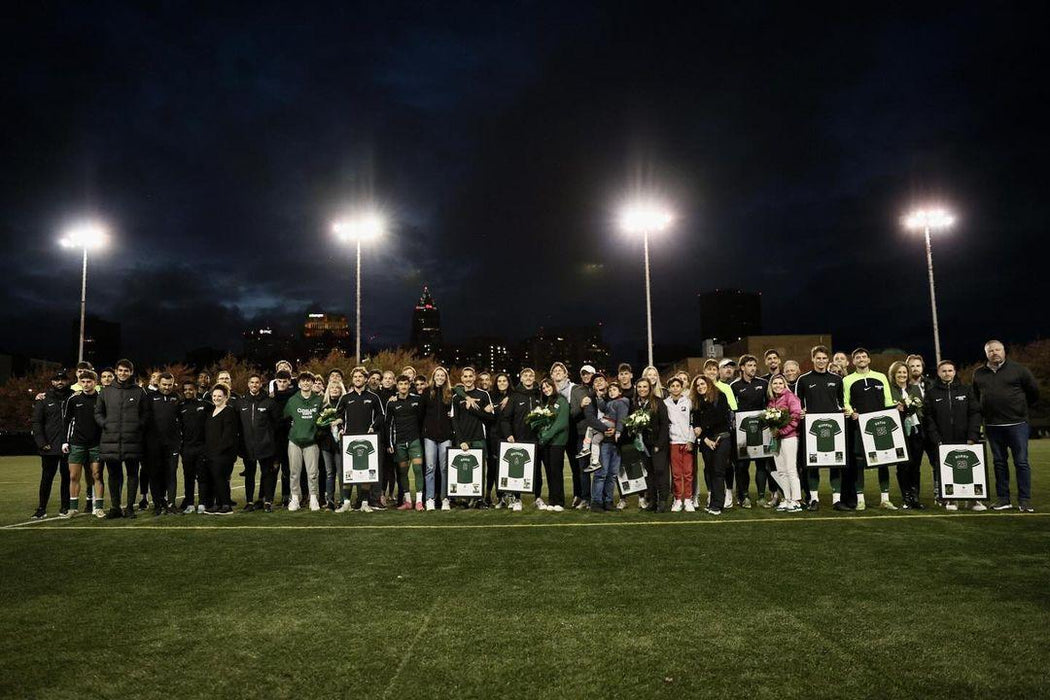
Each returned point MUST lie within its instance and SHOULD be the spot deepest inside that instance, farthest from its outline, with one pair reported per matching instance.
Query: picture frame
(882, 438)
(360, 458)
(517, 464)
(753, 439)
(466, 474)
(964, 472)
(825, 440)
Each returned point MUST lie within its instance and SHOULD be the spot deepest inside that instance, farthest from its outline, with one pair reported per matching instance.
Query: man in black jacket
(361, 412)
(82, 436)
(524, 398)
(1005, 390)
(283, 390)
(472, 412)
(951, 416)
(258, 413)
(820, 391)
(163, 435)
(193, 412)
(750, 393)
(49, 433)
(122, 410)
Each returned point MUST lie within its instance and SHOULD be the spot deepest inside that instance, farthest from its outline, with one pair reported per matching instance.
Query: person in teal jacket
(552, 441)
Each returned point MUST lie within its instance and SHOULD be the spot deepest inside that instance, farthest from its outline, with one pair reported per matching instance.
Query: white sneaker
(516, 505)
(293, 504)
(979, 507)
(500, 504)
(539, 504)
(430, 504)
(642, 503)
(621, 504)
(695, 502)
(344, 507)
(445, 504)
(887, 505)
(99, 512)
(314, 505)
(365, 507)
(676, 507)
(189, 510)
(690, 506)
(729, 499)
(201, 509)
(950, 505)
(556, 509)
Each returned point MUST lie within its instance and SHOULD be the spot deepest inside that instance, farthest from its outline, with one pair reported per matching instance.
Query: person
(1006, 390)
(154, 379)
(322, 485)
(727, 373)
(786, 455)
(404, 422)
(282, 392)
(718, 373)
(523, 400)
(750, 392)
(840, 364)
(221, 439)
(419, 385)
(193, 413)
(653, 375)
(917, 377)
(710, 421)
(581, 435)
(771, 358)
(903, 392)
(122, 412)
(472, 413)
(551, 443)
(437, 432)
(485, 382)
(951, 415)
(615, 408)
(625, 377)
(593, 425)
(81, 446)
(559, 374)
(375, 379)
(500, 403)
(49, 432)
(281, 366)
(303, 409)
(679, 413)
(820, 391)
(657, 442)
(388, 472)
(162, 444)
(864, 391)
(226, 379)
(361, 412)
(106, 377)
(204, 385)
(792, 371)
(329, 444)
(258, 414)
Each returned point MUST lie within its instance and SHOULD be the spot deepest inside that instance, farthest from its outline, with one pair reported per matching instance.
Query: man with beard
(49, 433)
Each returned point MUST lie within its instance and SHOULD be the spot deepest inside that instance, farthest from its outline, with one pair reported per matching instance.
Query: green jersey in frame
(359, 450)
(752, 427)
(825, 430)
(962, 463)
(881, 430)
(465, 464)
(516, 459)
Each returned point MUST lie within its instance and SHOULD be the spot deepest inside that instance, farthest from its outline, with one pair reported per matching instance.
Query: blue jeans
(1015, 439)
(435, 454)
(333, 466)
(603, 481)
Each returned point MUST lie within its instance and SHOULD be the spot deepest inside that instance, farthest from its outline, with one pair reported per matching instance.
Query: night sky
(500, 140)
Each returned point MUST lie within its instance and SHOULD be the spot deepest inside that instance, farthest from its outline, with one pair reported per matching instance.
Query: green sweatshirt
(304, 413)
(557, 433)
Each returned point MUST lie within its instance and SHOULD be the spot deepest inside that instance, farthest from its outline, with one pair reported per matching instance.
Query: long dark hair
(553, 398)
(649, 401)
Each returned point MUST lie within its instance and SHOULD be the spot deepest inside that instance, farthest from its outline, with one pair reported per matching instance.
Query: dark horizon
(219, 145)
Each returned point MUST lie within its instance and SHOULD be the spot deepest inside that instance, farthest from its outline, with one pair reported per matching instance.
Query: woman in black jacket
(911, 418)
(658, 443)
(501, 405)
(710, 419)
(221, 439)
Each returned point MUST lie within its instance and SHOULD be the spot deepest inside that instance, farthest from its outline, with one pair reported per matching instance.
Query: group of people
(289, 430)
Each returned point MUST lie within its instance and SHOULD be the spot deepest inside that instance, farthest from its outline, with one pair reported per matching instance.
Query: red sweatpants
(682, 471)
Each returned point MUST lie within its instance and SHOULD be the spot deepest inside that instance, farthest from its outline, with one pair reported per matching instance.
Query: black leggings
(49, 466)
(553, 459)
(194, 471)
(659, 485)
(220, 467)
(716, 465)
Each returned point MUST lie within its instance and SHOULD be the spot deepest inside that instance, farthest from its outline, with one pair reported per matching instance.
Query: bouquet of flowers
(636, 425)
(912, 404)
(327, 416)
(775, 419)
(539, 418)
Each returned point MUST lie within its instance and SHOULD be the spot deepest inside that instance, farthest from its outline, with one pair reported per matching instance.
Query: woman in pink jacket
(780, 396)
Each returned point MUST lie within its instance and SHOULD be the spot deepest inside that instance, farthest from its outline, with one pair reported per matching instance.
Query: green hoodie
(304, 413)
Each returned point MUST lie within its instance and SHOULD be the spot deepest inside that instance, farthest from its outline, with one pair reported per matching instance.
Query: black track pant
(267, 471)
(49, 466)
(116, 480)
(220, 469)
(658, 484)
(553, 459)
(163, 475)
(716, 466)
(194, 471)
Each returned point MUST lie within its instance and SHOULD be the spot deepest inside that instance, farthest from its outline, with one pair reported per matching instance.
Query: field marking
(511, 526)
(408, 652)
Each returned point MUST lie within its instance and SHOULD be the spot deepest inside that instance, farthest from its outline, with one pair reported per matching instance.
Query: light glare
(359, 228)
(88, 235)
(645, 217)
(934, 218)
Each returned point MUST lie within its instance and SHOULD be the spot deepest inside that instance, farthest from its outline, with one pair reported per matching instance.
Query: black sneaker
(1025, 507)
(267, 507)
(226, 510)
(39, 514)
(481, 505)
(814, 506)
(130, 514)
(114, 514)
(143, 504)
(248, 508)
(917, 505)
(330, 505)
(158, 511)
(839, 505)
(184, 504)
(1003, 505)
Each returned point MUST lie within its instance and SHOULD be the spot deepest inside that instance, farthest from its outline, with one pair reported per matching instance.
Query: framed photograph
(631, 478)
(360, 459)
(752, 437)
(465, 473)
(882, 437)
(964, 473)
(825, 444)
(517, 461)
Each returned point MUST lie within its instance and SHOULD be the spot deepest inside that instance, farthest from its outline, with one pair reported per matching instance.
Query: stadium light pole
(646, 218)
(927, 220)
(86, 236)
(365, 226)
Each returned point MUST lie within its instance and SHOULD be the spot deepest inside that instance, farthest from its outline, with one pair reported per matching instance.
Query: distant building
(789, 347)
(426, 338)
(264, 346)
(728, 315)
(482, 353)
(575, 346)
(323, 332)
(101, 341)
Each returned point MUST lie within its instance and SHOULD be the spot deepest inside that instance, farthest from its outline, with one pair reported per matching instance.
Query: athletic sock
(74, 504)
(860, 498)
(836, 497)
(885, 497)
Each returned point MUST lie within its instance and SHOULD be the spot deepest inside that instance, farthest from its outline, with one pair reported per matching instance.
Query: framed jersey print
(753, 438)
(517, 461)
(964, 475)
(631, 478)
(882, 437)
(465, 473)
(825, 440)
(360, 459)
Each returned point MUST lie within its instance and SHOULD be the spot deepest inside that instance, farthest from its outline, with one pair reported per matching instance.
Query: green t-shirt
(825, 431)
(881, 430)
(303, 413)
(516, 458)
(465, 466)
(359, 451)
(962, 464)
(752, 427)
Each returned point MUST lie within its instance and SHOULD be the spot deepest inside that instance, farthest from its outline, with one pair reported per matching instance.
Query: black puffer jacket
(49, 425)
(122, 410)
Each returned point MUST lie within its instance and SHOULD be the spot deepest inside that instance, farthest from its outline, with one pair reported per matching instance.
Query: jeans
(435, 459)
(603, 481)
(333, 475)
(1015, 439)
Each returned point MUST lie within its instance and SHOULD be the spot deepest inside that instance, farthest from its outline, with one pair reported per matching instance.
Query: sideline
(513, 526)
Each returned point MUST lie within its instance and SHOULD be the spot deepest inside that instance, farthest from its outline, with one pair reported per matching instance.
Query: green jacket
(557, 433)
(304, 413)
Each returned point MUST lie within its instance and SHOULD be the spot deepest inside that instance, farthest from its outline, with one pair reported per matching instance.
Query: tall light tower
(645, 218)
(927, 220)
(365, 226)
(86, 236)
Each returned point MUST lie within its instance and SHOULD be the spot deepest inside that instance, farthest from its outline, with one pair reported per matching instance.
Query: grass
(499, 604)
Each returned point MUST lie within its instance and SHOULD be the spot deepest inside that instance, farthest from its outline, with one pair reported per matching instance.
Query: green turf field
(499, 604)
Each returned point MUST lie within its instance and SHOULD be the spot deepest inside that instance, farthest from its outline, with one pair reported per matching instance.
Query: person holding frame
(864, 391)
(952, 416)
(908, 396)
(710, 419)
(820, 391)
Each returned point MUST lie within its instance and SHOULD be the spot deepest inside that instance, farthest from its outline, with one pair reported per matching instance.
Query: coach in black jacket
(49, 432)
(258, 413)
(163, 435)
(193, 411)
(122, 411)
